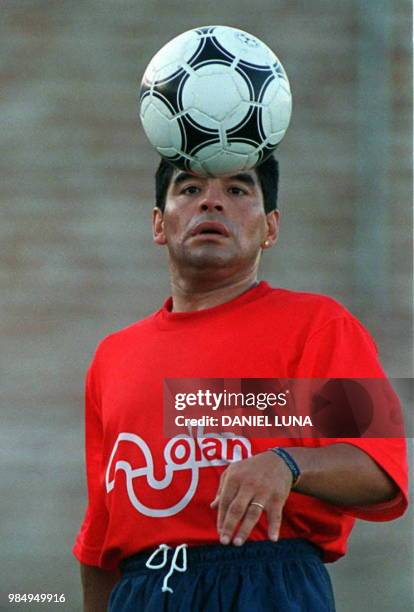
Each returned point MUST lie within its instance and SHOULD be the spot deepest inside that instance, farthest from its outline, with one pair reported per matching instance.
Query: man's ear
(158, 227)
(272, 229)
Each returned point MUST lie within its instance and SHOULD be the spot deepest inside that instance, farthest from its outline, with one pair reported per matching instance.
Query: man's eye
(237, 191)
(191, 189)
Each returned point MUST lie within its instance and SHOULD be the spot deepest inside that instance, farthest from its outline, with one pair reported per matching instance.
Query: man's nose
(212, 199)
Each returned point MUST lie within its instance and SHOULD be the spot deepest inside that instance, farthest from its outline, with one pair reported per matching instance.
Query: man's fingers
(235, 512)
(216, 500)
(274, 519)
(227, 495)
(251, 517)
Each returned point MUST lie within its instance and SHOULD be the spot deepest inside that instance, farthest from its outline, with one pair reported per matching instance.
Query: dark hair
(267, 173)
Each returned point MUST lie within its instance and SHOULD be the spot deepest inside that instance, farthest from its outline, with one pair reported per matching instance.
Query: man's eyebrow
(181, 177)
(243, 177)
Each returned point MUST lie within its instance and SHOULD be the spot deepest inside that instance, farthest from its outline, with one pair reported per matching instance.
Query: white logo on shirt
(182, 452)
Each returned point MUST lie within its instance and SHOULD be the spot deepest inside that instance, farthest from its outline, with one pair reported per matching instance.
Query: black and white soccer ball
(215, 100)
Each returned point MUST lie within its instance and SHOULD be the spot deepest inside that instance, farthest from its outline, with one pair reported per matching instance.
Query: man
(177, 533)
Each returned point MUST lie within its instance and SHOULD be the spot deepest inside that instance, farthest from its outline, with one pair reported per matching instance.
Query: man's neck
(189, 296)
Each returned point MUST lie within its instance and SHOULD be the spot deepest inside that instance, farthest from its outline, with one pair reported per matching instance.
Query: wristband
(290, 462)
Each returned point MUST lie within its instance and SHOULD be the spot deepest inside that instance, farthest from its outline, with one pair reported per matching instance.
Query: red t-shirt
(140, 491)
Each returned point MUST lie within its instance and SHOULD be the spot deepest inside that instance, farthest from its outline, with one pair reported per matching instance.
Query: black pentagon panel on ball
(211, 52)
(257, 79)
(196, 135)
(248, 130)
(168, 90)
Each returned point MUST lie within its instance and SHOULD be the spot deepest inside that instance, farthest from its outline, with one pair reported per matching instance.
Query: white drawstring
(164, 548)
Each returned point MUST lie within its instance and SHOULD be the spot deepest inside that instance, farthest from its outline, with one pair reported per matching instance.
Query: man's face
(214, 222)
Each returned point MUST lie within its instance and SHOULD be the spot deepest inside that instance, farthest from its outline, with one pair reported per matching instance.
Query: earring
(266, 243)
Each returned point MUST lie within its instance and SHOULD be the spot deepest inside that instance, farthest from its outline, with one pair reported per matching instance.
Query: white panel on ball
(160, 127)
(218, 162)
(168, 152)
(224, 163)
(276, 113)
(244, 46)
(226, 105)
(172, 56)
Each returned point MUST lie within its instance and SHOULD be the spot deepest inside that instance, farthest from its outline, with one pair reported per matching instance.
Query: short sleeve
(343, 348)
(391, 456)
(89, 541)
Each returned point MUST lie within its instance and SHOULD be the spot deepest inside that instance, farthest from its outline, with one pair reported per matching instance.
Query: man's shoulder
(304, 302)
(311, 314)
(125, 335)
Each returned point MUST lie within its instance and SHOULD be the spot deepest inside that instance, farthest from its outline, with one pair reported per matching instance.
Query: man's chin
(209, 262)
(209, 258)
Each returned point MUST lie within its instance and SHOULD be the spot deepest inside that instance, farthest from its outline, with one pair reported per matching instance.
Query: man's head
(216, 226)
(267, 172)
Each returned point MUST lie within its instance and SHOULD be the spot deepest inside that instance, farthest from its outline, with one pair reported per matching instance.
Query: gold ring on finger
(253, 503)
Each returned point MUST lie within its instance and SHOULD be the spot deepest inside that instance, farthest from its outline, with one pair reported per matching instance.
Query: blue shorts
(287, 576)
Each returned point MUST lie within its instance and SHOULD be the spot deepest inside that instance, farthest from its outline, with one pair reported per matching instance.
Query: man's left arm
(340, 474)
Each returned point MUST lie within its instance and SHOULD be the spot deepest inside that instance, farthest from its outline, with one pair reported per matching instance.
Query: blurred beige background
(78, 261)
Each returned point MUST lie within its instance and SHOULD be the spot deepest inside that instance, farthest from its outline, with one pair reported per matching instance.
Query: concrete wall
(77, 259)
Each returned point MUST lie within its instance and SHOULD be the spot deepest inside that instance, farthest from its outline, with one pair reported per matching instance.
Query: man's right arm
(97, 585)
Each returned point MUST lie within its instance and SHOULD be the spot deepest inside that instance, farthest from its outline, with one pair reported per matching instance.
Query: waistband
(292, 548)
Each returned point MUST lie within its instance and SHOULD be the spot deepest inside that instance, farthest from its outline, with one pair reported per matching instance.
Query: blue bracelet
(290, 462)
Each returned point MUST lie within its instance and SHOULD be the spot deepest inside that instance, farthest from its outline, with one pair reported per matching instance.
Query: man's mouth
(212, 228)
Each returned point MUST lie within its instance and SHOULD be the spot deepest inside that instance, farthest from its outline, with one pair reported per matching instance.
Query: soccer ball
(215, 101)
